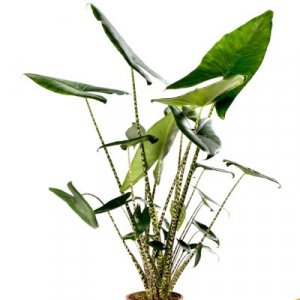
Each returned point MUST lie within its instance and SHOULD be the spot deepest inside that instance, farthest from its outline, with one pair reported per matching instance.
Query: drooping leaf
(132, 142)
(78, 204)
(239, 52)
(131, 58)
(206, 95)
(208, 168)
(72, 88)
(181, 217)
(204, 136)
(198, 254)
(250, 172)
(165, 131)
(141, 219)
(184, 245)
(130, 236)
(165, 233)
(132, 131)
(206, 199)
(205, 230)
(113, 204)
(157, 245)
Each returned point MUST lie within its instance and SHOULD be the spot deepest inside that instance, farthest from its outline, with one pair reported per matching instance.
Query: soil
(142, 296)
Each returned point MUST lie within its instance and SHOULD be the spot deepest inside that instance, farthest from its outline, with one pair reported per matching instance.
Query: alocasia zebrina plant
(166, 238)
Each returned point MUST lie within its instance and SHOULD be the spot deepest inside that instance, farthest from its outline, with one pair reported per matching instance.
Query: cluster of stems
(160, 270)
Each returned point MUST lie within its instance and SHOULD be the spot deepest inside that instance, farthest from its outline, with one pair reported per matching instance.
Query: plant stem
(186, 262)
(137, 265)
(152, 210)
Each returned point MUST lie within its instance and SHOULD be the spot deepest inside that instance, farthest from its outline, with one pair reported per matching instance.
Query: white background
(48, 139)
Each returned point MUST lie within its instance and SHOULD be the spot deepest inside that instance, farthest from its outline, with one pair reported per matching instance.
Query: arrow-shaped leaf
(208, 168)
(206, 95)
(205, 230)
(132, 142)
(113, 204)
(141, 219)
(165, 130)
(239, 52)
(130, 236)
(78, 204)
(131, 58)
(184, 245)
(157, 245)
(72, 88)
(250, 172)
(204, 136)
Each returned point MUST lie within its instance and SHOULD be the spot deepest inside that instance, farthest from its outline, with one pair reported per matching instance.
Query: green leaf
(181, 217)
(206, 231)
(78, 204)
(184, 245)
(130, 236)
(165, 130)
(141, 219)
(239, 52)
(132, 142)
(206, 95)
(204, 136)
(131, 58)
(132, 132)
(72, 88)
(198, 254)
(250, 172)
(157, 245)
(190, 112)
(113, 204)
(165, 233)
(208, 168)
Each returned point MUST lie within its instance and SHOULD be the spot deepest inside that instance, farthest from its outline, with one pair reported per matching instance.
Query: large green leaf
(250, 172)
(131, 58)
(132, 142)
(141, 219)
(239, 52)
(205, 230)
(206, 95)
(78, 204)
(113, 204)
(204, 136)
(165, 130)
(72, 88)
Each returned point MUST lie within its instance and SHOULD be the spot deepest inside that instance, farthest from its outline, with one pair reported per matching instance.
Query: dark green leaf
(146, 201)
(131, 58)
(72, 88)
(132, 131)
(132, 142)
(206, 95)
(167, 223)
(157, 245)
(184, 245)
(165, 233)
(206, 231)
(250, 172)
(204, 136)
(181, 217)
(78, 204)
(141, 219)
(165, 129)
(198, 254)
(113, 204)
(130, 236)
(208, 168)
(239, 52)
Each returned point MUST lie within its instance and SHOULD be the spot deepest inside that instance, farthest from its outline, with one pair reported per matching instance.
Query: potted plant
(169, 234)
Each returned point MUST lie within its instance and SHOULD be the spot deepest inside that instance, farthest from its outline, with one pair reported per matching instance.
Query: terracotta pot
(142, 296)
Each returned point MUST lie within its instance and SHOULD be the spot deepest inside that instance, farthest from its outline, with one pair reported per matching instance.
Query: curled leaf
(250, 172)
(206, 231)
(208, 168)
(132, 142)
(131, 58)
(72, 88)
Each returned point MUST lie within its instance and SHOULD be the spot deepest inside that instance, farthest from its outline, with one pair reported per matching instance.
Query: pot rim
(173, 293)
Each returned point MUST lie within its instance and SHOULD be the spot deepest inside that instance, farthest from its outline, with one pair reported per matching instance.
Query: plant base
(142, 296)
